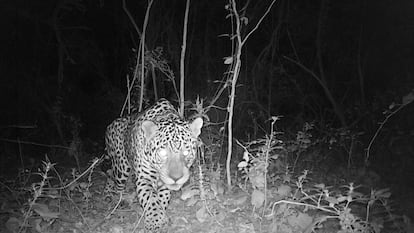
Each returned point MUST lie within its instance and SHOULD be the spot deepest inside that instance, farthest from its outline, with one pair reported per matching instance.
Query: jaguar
(157, 148)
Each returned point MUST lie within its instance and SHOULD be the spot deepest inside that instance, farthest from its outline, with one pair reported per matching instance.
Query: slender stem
(35, 143)
(183, 48)
(239, 42)
(142, 47)
(236, 71)
(325, 88)
(124, 7)
(144, 29)
(258, 23)
(380, 128)
(154, 82)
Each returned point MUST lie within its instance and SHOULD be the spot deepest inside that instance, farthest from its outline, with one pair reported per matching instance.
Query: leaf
(246, 228)
(275, 118)
(217, 187)
(116, 229)
(242, 164)
(383, 193)
(246, 156)
(44, 212)
(342, 199)
(37, 225)
(284, 190)
(228, 60)
(83, 185)
(244, 20)
(13, 224)
(221, 130)
(319, 186)
(287, 178)
(224, 35)
(301, 220)
(306, 140)
(191, 202)
(202, 214)
(332, 201)
(257, 179)
(283, 209)
(188, 193)
(408, 98)
(257, 198)
(240, 200)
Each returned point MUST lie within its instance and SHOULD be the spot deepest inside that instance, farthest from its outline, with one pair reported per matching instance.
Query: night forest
(307, 108)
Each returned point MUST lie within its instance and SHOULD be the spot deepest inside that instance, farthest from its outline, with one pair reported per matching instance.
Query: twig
(68, 197)
(141, 51)
(258, 23)
(182, 59)
(96, 161)
(20, 153)
(300, 204)
(324, 86)
(127, 102)
(37, 193)
(305, 69)
(143, 213)
(235, 71)
(109, 215)
(35, 144)
(116, 206)
(408, 99)
(19, 126)
(124, 7)
(268, 149)
(144, 29)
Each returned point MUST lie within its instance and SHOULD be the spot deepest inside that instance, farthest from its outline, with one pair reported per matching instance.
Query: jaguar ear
(149, 128)
(196, 125)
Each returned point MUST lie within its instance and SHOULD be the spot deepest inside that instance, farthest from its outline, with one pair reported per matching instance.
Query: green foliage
(306, 206)
(316, 207)
(42, 203)
(158, 74)
(33, 204)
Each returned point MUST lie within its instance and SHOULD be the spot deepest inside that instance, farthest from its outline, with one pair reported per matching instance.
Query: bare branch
(258, 23)
(182, 59)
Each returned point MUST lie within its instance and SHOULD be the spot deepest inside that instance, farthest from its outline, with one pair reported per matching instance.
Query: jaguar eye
(186, 153)
(163, 153)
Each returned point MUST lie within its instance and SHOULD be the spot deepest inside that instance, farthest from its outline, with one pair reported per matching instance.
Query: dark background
(63, 67)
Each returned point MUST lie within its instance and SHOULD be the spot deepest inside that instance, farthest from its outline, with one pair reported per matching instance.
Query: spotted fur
(158, 147)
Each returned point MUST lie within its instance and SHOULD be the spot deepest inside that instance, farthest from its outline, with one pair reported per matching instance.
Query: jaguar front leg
(115, 148)
(154, 201)
(164, 195)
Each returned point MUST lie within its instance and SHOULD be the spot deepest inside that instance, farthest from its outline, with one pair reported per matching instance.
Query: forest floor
(302, 202)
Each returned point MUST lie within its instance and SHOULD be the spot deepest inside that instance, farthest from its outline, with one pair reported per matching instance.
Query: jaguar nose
(175, 175)
(175, 168)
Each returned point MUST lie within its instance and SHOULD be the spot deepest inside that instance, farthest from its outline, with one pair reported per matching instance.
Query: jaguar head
(173, 148)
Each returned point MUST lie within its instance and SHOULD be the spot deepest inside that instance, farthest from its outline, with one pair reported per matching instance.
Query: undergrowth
(304, 205)
(280, 187)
